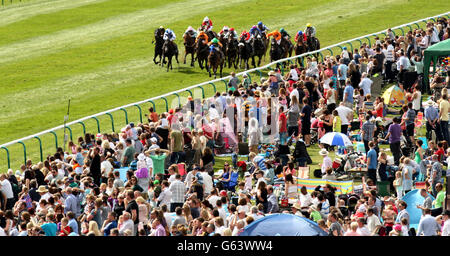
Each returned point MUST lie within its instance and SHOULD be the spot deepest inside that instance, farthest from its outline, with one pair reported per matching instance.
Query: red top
(440, 152)
(283, 119)
(380, 112)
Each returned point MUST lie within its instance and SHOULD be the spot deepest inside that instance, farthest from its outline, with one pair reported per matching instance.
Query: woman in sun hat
(327, 163)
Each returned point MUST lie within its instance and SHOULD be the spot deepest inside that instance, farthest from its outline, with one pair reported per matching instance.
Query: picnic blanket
(342, 187)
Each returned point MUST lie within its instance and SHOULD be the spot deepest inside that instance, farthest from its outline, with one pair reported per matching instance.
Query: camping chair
(233, 181)
(182, 169)
(384, 188)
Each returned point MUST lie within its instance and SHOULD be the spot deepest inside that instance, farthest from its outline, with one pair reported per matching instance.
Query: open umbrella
(283, 225)
(336, 139)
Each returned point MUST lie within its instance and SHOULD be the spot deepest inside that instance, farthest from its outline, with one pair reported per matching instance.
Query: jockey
(300, 34)
(225, 32)
(276, 34)
(310, 31)
(215, 45)
(233, 33)
(246, 36)
(262, 27)
(254, 31)
(159, 29)
(202, 36)
(284, 34)
(207, 24)
(169, 35)
(191, 32)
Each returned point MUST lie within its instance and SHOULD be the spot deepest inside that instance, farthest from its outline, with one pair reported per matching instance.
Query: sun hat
(297, 205)
(246, 174)
(42, 189)
(223, 193)
(271, 73)
(323, 152)
(141, 157)
(398, 227)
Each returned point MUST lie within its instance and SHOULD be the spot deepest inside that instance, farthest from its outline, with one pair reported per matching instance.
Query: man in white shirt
(106, 167)
(428, 225)
(213, 198)
(127, 224)
(6, 188)
(207, 182)
(327, 163)
(365, 84)
(165, 195)
(372, 220)
(213, 113)
(346, 115)
(362, 228)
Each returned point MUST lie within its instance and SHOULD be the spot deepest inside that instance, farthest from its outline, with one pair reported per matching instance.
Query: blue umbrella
(412, 199)
(283, 225)
(336, 139)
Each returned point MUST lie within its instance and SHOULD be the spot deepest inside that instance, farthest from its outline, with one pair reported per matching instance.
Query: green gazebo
(432, 53)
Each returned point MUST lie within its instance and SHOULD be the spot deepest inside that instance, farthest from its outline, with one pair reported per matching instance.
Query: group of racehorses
(235, 52)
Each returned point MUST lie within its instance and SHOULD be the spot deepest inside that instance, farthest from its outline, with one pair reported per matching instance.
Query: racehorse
(170, 49)
(266, 43)
(276, 51)
(201, 53)
(189, 47)
(300, 48)
(313, 44)
(216, 59)
(259, 49)
(287, 46)
(158, 41)
(232, 52)
(244, 53)
(224, 42)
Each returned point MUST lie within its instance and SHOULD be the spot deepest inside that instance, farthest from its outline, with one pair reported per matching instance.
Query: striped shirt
(178, 190)
(368, 128)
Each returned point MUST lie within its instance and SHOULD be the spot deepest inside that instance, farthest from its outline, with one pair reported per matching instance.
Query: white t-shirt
(364, 231)
(107, 166)
(293, 75)
(208, 182)
(294, 92)
(2, 232)
(416, 102)
(213, 200)
(446, 228)
(366, 85)
(6, 188)
(343, 112)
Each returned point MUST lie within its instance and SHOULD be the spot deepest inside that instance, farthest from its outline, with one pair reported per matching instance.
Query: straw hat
(323, 152)
(271, 73)
(42, 189)
(297, 206)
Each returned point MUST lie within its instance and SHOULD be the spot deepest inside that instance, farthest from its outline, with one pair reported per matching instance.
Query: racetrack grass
(99, 53)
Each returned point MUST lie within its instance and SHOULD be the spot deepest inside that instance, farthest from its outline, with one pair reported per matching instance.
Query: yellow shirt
(443, 109)
(337, 124)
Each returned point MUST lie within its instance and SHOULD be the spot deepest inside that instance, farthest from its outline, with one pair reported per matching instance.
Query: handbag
(284, 202)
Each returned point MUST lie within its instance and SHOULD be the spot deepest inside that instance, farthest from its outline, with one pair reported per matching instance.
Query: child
(382, 159)
(248, 181)
(65, 229)
(405, 227)
(242, 189)
(360, 101)
(336, 121)
(398, 184)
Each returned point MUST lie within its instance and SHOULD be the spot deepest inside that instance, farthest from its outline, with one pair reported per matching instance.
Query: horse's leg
(185, 55)
(192, 59)
(253, 61)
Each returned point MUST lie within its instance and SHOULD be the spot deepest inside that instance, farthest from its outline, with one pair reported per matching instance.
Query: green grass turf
(98, 52)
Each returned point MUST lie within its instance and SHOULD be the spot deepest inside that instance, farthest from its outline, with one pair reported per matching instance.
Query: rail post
(98, 123)
(140, 112)
(56, 138)
(112, 121)
(153, 103)
(178, 96)
(226, 84)
(40, 147)
(7, 156)
(203, 91)
(214, 86)
(167, 103)
(70, 132)
(126, 115)
(24, 152)
(84, 127)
